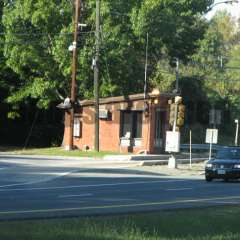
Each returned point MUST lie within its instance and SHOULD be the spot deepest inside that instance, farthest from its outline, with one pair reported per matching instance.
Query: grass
(56, 151)
(215, 223)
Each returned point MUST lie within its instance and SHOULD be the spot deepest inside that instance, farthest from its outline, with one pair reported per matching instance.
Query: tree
(32, 30)
(8, 78)
(38, 33)
(211, 77)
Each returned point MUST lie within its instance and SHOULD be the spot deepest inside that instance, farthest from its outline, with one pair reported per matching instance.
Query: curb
(165, 162)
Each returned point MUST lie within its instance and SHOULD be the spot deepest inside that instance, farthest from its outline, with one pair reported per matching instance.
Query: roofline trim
(128, 98)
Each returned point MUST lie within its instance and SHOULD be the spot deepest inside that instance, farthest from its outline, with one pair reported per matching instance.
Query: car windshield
(228, 154)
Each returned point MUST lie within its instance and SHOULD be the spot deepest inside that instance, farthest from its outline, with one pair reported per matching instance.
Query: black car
(226, 165)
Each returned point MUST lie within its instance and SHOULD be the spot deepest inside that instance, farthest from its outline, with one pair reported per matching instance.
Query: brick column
(152, 128)
(66, 138)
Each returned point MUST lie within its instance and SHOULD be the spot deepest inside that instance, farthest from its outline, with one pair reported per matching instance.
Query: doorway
(160, 118)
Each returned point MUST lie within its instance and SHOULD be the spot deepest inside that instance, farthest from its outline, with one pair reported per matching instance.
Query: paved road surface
(35, 188)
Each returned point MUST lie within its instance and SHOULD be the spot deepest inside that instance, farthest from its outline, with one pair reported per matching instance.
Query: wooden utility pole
(74, 70)
(96, 76)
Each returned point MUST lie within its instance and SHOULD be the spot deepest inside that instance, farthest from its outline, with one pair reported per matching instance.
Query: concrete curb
(150, 157)
(165, 162)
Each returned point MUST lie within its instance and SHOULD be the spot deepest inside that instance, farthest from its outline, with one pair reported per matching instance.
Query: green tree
(8, 79)
(32, 29)
(211, 60)
(211, 77)
(38, 33)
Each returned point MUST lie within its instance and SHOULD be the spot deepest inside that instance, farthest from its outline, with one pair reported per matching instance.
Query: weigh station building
(128, 124)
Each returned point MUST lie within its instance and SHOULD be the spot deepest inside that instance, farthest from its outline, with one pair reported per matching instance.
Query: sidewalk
(157, 159)
(197, 169)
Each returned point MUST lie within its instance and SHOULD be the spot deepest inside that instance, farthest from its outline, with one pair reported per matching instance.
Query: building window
(131, 124)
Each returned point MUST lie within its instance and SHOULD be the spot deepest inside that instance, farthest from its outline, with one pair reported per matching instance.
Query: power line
(44, 34)
(39, 41)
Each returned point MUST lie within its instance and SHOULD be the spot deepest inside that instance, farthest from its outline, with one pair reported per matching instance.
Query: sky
(233, 8)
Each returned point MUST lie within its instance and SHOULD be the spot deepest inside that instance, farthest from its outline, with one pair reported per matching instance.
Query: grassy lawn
(216, 223)
(56, 151)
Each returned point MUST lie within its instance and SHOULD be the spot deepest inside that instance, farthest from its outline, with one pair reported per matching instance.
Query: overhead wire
(31, 41)
(43, 34)
(106, 64)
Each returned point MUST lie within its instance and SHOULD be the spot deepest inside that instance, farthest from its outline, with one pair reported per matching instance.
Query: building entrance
(160, 118)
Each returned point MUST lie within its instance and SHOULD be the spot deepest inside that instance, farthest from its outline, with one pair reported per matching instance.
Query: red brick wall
(109, 133)
(110, 129)
(87, 135)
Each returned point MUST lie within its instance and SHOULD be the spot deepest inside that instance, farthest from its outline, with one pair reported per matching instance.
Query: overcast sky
(234, 9)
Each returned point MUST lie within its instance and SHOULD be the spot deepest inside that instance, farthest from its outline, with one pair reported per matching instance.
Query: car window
(228, 154)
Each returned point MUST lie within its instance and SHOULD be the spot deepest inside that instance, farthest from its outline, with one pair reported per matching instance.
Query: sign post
(190, 148)
(172, 145)
(176, 119)
(172, 141)
(211, 137)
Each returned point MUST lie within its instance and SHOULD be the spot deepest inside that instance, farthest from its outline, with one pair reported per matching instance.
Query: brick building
(127, 124)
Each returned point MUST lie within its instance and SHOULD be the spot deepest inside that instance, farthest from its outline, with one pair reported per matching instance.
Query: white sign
(125, 142)
(172, 141)
(211, 136)
(103, 114)
(76, 127)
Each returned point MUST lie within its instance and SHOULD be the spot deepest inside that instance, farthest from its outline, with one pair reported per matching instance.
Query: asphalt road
(38, 188)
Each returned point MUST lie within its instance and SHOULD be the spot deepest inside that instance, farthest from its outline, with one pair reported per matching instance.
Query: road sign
(215, 116)
(172, 141)
(211, 136)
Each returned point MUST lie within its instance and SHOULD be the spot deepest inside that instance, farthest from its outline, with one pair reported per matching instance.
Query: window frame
(134, 128)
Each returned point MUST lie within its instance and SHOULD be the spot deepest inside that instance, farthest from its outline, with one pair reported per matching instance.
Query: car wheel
(226, 179)
(208, 179)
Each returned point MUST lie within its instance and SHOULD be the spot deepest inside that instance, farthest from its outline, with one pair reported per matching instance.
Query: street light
(236, 135)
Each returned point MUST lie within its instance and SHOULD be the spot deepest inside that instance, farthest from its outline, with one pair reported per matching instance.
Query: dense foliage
(35, 63)
(37, 34)
(216, 64)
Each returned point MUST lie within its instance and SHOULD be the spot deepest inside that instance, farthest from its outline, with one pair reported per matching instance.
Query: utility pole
(96, 76)
(237, 128)
(74, 70)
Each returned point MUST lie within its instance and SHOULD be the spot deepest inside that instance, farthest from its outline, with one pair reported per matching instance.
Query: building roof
(133, 97)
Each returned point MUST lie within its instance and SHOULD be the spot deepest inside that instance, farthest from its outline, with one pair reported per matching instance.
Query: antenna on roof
(146, 66)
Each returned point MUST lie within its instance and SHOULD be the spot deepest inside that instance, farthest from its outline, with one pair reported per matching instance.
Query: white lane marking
(35, 182)
(79, 195)
(226, 202)
(2, 168)
(144, 204)
(178, 189)
(90, 185)
(116, 199)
